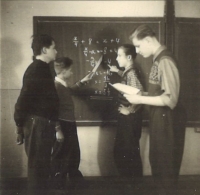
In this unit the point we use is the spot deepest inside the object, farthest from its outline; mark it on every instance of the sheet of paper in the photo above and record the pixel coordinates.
(125, 88)
(95, 67)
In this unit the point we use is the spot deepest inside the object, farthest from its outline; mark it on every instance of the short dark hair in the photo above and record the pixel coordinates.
(129, 49)
(62, 63)
(40, 41)
(141, 32)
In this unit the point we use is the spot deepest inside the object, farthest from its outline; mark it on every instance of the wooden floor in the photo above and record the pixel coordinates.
(188, 185)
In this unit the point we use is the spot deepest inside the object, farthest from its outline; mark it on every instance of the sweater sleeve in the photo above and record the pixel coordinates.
(132, 80)
(26, 97)
(75, 87)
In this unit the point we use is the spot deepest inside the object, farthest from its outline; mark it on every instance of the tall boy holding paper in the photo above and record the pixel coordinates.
(127, 149)
(167, 117)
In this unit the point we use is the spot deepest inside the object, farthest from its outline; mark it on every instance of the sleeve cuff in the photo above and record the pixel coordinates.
(120, 72)
(19, 130)
(79, 84)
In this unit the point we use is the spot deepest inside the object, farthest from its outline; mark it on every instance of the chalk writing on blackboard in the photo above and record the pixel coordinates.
(90, 41)
(72, 36)
(91, 49)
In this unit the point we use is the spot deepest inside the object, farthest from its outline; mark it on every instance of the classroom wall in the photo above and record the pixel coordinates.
(96, 142)
(187, 9)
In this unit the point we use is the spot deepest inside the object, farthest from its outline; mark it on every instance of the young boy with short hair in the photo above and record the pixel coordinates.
(127, 148)
(66, 155)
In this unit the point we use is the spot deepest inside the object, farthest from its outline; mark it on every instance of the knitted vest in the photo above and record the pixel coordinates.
(121, 98)
(154, 88)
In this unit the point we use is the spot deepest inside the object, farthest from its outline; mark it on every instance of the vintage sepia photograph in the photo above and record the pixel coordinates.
(100, 97)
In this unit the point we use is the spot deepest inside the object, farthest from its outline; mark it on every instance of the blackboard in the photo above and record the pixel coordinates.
(187, 50)
(85, 40)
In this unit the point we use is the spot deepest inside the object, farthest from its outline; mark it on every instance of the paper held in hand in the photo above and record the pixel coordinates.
(126, 89)
(97, 63)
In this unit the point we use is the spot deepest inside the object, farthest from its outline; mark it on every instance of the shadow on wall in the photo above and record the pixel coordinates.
(105, 151)
(11, 64)
(106, 154)
(12, 164)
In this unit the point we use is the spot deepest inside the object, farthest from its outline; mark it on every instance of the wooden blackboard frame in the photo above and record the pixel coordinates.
(142, 20)
(187, 45)
(158, 21)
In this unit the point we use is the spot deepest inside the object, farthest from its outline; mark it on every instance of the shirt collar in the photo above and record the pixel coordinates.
(158, 51)
(127, 69)
(61, 81)
(38, 59)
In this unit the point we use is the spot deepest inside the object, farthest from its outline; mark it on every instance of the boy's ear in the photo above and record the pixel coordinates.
(44, 50)
(148, 39)
(129, 57)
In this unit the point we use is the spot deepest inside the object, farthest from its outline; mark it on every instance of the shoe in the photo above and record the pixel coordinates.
(59, 181)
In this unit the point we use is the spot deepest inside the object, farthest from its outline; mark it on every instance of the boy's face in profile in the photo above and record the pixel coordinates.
(51, 52)
(143, 46)
(122, 59)
(66, 73)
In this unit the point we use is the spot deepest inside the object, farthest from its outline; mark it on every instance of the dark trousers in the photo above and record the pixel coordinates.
(167, 133)
(39, 135)
(66, 155)
(127, 148)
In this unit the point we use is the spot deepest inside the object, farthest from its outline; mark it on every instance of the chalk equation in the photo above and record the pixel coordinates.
(105, 50)
(90, 41)
(91, 49)
(100, 82)
(95, 44)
